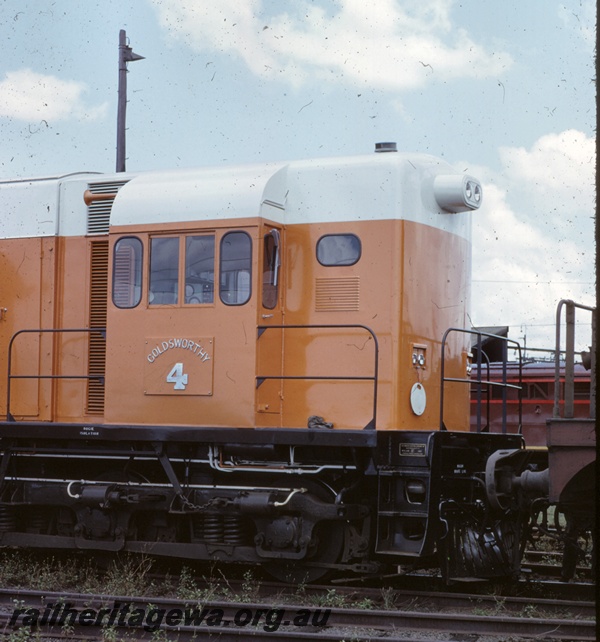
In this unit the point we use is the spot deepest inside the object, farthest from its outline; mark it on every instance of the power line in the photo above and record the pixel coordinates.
(536, 282)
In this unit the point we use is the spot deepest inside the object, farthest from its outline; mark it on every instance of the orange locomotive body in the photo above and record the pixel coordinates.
(245, 363)
(183, 276)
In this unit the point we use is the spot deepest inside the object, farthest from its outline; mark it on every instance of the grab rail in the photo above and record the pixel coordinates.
(259, 379)
(503, 384)
(10, 376)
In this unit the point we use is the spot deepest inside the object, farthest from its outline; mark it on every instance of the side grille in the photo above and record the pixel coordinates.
(337, 294)
(97, 341)
(100, 197)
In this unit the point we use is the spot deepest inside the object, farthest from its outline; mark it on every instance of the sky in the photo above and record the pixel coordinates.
(504, 90)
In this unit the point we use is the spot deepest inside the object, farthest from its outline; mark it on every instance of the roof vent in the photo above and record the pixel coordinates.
(385, 147)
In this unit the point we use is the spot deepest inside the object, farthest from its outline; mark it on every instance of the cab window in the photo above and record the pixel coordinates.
(182, 269)
(235, 266)
(338, 249)
(164, 271)
(199, 269)
(127, 272)
(271, 263)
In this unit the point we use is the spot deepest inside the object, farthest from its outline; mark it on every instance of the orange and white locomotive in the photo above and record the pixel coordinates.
(257, 364)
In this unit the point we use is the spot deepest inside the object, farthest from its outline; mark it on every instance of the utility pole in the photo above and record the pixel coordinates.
(125, 55)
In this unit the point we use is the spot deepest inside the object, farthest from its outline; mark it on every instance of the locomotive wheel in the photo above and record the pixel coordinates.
(328, 539)
(325, 547)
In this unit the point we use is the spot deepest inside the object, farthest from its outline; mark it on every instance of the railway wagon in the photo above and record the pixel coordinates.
(244, 363)
(571, 439)
(530, 403)
(553, 404)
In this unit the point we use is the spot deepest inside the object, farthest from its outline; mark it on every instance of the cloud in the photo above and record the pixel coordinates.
(388, 44)
(580, 20)
(556, 164)
(557, 176)
(27, 95)
(533, 238)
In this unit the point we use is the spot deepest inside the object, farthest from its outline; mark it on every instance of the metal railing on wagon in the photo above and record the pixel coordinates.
(569, 373)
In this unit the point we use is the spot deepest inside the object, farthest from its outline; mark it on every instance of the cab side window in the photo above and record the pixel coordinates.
(235, 268)
(338, 249)
(127, 272)
(271, 264)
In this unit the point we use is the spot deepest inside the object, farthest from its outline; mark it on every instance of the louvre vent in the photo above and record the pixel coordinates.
(337, 294)
(97, 341)
(98, 214)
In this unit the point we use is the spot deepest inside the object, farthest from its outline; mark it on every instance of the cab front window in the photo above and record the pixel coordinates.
(182, 270)
(164, 271)
(199, 269)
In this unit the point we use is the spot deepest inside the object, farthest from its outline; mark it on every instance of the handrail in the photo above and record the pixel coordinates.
(504, 385)
(569, 406)
(487, 391)
(259, 379)
(10, 376)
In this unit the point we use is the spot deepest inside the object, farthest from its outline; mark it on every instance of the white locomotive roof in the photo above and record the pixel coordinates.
(31, 207)
(372, 187)
(185, 195)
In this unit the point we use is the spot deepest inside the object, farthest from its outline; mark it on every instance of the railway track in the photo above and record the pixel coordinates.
(437, 616)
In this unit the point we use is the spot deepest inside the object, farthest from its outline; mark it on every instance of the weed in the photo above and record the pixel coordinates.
(389, 598)
(365, 604)
(250, 588)
(160, 635)
(129, 576)
(301, 590)
(188, 589)
(23, 634)
(26, 569)
(109, 634)
(67, 630)
(481, 611)
(329, 599)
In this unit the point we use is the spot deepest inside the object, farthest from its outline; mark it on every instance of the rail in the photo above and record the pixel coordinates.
(260, 378)
(569, 392)
(10, 376)
(503, 385)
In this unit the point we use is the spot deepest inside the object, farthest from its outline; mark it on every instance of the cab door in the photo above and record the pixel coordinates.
(182, 347)
(270, 334)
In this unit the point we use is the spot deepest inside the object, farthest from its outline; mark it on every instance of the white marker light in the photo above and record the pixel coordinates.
(457, 193)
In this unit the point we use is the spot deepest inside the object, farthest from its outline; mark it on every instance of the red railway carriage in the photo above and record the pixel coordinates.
(535, 398)
(245, 364)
